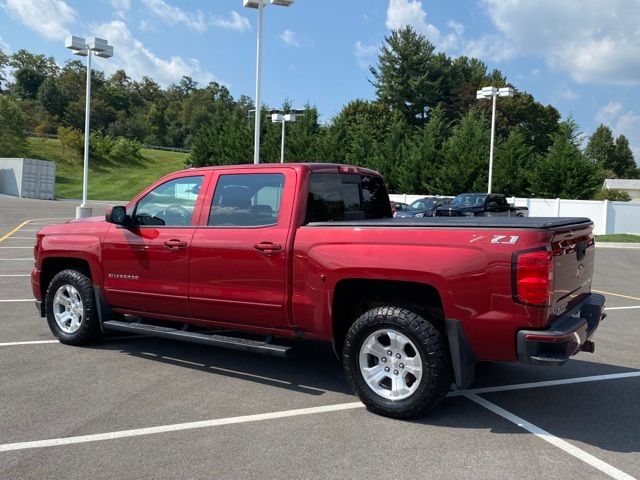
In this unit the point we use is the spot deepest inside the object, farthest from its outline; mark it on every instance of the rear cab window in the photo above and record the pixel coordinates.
(346, 196)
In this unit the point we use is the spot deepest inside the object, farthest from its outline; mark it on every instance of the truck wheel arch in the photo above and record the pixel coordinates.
(53, 265)
(353, 297)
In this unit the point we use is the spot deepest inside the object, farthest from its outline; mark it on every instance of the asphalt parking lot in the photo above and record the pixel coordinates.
(149, 408)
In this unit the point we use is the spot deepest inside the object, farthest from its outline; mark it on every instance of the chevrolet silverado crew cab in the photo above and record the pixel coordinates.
(253, 257)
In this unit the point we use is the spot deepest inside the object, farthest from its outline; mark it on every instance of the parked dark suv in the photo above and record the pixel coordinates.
(423, 207)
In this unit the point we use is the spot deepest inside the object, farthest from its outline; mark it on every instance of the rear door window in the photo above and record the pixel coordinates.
(247, 200)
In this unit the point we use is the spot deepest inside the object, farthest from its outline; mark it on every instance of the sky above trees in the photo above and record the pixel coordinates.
(581, 56)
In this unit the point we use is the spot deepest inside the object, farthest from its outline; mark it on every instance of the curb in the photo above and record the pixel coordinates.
(617, 245)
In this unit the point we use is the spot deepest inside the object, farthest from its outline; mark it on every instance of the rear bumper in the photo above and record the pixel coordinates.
(566, 336)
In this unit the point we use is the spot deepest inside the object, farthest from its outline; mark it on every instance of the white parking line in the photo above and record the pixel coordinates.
(553, 440)
(623, 308)
(548, 383)
(22, 238)
(177, 427)
(18, 300)
(30, 248)
(21, 275)
(32, 342)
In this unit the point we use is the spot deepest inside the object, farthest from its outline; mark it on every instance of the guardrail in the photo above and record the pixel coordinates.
(151, 147)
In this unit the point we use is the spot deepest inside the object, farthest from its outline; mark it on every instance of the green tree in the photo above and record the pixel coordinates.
(25, 59)
(389, 151)
(564, 172)
(50, 97)
(601, 148)
(226, 140)
(27, 82)
(466, 157)
(420, 165)
(12, 139)
(625, 164)
(409, 74)
(513, 159)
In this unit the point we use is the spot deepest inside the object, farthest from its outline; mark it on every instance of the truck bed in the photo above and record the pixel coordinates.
(536, 223)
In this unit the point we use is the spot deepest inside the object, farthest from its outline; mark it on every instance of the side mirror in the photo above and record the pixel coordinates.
(117, 215)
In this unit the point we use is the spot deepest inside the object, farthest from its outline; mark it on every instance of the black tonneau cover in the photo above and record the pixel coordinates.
(537, 223)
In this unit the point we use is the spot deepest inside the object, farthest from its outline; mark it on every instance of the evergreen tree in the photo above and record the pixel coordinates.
(513, 159)
(421, 162)
(601, 148)
(226, 140)
(625, 165)
(466, 158)
(564, 172)
(409, 74)
(389, 150)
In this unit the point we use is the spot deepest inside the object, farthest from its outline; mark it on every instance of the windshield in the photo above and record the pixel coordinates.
(423, 205)
(469, 200)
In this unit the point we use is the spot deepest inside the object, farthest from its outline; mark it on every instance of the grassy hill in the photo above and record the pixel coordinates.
(107, 180)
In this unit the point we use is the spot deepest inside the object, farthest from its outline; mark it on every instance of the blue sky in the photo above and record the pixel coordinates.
(582, 56)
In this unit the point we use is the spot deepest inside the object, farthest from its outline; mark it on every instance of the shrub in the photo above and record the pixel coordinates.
(612, 194)
(71, 139)
(100, 145)
(125, 149)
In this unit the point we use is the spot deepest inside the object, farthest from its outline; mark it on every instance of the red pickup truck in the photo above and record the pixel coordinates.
(276, 253)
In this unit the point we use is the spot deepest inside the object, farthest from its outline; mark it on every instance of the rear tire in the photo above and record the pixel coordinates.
(71, 308)
(397, 362)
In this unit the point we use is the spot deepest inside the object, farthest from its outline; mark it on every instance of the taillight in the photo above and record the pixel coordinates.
(533, 277)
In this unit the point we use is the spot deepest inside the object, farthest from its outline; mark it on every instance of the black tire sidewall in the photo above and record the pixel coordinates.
(417, 403)
(89, 328)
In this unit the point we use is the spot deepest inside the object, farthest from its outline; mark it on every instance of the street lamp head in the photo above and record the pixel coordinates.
(98, 44)
(256, 3)
(506, 92)
(290, 117)
(75, 43)
(276, 117)
(107, 53)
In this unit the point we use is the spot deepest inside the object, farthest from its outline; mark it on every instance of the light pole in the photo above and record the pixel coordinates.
(276, 117)
(259, 5)
(84, 49)
(493, 93)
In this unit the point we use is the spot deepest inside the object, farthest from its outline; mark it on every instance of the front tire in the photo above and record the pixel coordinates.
(397, 362)
(71, 308)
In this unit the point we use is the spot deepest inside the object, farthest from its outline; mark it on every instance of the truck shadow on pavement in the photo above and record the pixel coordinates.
(604, 414)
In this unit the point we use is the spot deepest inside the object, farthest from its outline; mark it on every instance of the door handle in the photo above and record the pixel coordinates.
(175, 244)
(267, 247)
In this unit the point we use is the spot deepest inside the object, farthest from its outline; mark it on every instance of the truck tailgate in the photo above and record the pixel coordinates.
(573, 255)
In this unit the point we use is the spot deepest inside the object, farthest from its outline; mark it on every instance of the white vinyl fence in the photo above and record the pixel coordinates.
(608, 217)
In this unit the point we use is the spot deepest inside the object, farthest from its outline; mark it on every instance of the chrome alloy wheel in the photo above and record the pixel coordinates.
(390, 364)
(68, 309)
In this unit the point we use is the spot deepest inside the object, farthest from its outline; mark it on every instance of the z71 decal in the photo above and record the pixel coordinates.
(512, 239)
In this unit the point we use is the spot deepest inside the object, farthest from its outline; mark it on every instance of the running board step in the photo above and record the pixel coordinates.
(204, 339)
